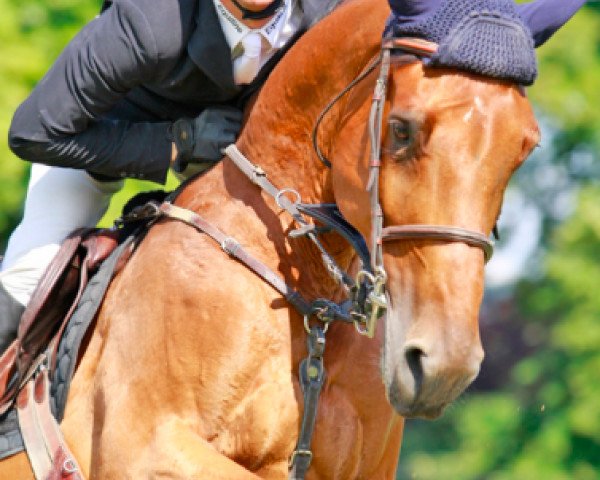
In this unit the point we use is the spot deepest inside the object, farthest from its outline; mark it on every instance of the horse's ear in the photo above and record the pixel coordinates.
(545, 17)
(414, 8)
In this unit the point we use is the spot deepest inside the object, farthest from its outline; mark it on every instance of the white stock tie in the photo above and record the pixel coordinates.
(247, 65)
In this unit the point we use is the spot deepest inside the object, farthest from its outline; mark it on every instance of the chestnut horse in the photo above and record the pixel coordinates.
(192, 369)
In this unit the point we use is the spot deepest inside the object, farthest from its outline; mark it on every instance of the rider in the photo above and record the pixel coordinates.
(145, 86)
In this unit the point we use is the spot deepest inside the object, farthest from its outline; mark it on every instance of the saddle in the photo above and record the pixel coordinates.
(59, 291)
(36, 370)
(51, 307)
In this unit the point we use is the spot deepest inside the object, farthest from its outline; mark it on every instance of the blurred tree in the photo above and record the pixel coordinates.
(567, 98)
(566, 88)
(545, 423)
(32, 34)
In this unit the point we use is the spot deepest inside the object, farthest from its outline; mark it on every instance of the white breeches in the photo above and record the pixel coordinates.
(59, 200)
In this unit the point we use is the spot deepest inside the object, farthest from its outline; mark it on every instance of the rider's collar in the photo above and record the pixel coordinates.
(234, 30)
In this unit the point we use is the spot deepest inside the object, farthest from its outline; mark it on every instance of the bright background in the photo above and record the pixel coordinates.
(534, 412)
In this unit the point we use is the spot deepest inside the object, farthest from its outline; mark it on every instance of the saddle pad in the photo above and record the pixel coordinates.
(11, 441)
(68, 349)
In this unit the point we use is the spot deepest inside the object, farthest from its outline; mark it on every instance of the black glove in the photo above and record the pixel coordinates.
(200, 140)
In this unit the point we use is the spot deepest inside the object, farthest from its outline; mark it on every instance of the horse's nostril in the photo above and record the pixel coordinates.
(413, 357)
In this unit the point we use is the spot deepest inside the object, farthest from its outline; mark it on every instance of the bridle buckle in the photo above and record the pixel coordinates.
(375, 304)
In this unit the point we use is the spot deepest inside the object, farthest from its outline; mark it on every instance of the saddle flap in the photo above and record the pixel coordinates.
(54, 293)
(81, 253)
(99, 246)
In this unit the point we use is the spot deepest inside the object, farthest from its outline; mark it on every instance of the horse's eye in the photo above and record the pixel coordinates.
(401, 138)
(401, 131)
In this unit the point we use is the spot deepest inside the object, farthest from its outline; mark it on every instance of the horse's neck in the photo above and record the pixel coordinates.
(323, 62)
(277, 137)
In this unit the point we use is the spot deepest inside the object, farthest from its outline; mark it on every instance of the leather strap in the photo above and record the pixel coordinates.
(441, 233)
(312, 378)
(83, 280)
(8, 380)
(49, 455)
(51, 276)
(413, 45)
(258, 176)
(234, 249)
(329, 215)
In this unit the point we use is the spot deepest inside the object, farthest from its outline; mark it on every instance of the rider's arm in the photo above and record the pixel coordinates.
(61, 122)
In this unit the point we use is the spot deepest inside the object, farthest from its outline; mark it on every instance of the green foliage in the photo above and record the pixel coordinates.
(546, 422)
(32, 35)
(567, 86)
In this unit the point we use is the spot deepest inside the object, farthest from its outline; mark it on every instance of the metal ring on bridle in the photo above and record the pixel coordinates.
(362, 274)
(378, 278)
(307, 324)
(358, 325)
(282, 192)
(69, 466)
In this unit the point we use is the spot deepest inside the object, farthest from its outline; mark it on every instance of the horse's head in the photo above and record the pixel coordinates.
(450, 141)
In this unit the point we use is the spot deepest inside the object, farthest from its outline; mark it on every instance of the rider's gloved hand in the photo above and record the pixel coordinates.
(200, 140)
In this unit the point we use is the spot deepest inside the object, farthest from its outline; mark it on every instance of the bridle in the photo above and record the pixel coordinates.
(379, 234)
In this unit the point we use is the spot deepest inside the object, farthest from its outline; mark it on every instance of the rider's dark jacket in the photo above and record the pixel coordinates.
(108, 101)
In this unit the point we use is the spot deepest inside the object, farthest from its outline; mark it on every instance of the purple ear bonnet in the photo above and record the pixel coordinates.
(486, 37)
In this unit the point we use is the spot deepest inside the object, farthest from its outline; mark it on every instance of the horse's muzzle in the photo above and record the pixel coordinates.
(423, 384)
(423, 373)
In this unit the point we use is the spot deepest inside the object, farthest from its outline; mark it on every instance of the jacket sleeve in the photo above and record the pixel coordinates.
(61, 122)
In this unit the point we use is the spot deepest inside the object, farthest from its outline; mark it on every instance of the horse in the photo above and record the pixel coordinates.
(191, 371)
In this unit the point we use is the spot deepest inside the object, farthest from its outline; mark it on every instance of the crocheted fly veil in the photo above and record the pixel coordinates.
(494, 38)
